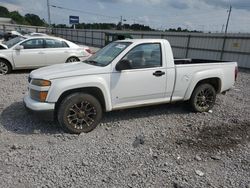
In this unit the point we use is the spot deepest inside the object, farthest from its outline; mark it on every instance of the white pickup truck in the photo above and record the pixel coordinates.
(125, 74)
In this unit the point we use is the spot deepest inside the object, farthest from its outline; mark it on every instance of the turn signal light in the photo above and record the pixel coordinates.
(43, 95)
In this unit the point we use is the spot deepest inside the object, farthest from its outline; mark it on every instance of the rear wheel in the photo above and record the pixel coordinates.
(79, 112)
(5, 67)
(72, 59)
(203, 98)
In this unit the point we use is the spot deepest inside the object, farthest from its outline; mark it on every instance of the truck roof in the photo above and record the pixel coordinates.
(142, 40)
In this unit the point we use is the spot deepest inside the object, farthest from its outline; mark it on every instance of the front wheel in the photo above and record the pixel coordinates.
(203, 98)
(5, 67)
(79, 113)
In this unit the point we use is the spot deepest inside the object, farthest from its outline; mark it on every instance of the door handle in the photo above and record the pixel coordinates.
(158, 73)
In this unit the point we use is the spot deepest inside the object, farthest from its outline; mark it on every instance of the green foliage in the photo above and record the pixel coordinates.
(33, 19)
(28, 19)
(18, 18)
(4, 12)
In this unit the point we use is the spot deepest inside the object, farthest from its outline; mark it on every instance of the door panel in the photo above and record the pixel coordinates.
(56, 51)
(31, 56)
(137, 85)
(145, 78)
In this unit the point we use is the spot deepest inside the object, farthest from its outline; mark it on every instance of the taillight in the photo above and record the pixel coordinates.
(236, 73)
(88, 50)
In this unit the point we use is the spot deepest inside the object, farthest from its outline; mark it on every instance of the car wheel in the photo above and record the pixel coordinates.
(5, 67)
(79, 113)
(72, 59)
(203, 98)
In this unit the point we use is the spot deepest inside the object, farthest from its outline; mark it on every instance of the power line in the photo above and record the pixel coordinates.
(84, 12)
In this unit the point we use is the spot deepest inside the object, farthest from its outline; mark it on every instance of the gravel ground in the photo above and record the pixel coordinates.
(158, 146)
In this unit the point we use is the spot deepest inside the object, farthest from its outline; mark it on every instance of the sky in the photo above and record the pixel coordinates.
(204, 15)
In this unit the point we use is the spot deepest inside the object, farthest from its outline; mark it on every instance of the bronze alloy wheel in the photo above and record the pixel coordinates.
(79, 112)
(203, 98)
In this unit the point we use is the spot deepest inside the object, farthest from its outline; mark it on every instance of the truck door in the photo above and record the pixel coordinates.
(145, 80)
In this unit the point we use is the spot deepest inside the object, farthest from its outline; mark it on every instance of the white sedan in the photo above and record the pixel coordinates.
(33, 52)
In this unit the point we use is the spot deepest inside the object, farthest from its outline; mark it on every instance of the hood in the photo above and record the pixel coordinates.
(67, 70)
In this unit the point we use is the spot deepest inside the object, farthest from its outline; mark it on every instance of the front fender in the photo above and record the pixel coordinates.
(59, 86)
(202, 75)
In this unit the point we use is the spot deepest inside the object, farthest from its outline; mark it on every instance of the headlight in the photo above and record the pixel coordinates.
(40, 82)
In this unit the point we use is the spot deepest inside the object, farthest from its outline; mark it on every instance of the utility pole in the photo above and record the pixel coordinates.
(228, 18)
(48, 6)
(222, 28)
(121, 21)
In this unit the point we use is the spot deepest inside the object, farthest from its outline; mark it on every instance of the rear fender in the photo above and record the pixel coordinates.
(202, 75)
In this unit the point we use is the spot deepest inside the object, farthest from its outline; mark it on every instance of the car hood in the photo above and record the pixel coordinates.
(67, 70)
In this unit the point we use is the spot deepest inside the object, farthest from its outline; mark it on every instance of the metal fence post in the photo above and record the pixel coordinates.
(92, 37)
(188, 43)
(223, 47)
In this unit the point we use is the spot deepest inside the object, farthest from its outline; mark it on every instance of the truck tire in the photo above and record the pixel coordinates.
(5, 67)
(79, 112)
(203, 98)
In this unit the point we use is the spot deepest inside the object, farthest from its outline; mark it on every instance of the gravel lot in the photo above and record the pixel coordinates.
(159, 146)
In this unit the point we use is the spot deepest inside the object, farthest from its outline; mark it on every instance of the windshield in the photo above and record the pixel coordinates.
(13, 41)
(107, 54)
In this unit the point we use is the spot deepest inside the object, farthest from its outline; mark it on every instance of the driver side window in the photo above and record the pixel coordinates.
(145, 56)
(33, 44)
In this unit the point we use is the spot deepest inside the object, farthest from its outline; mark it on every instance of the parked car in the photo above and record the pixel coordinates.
(35, 34)
(125, 74)
(11, 34)
(33, 52)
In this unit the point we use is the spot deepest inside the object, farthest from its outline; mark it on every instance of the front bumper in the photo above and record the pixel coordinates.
(42, 109)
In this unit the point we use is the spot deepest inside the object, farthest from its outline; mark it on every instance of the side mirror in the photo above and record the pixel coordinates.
(123, 65)
(19, 47)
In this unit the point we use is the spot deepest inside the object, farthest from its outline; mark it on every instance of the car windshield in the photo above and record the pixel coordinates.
(13, 41)
(107, 54)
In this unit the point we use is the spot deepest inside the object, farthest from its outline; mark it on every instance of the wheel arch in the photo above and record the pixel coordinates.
(72, 56)
(94, 91)
(9, 62)
(214, 81)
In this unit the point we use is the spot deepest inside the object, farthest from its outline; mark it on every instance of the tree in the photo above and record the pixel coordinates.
(33, 19)
(4, 12)
(17, 18)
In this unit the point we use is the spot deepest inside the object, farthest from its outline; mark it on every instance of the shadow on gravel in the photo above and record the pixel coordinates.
(221, 137)
(16, 119)
(149, 111)
(20, 71)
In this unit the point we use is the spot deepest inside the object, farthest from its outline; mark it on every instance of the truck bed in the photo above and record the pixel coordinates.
(195, 61)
